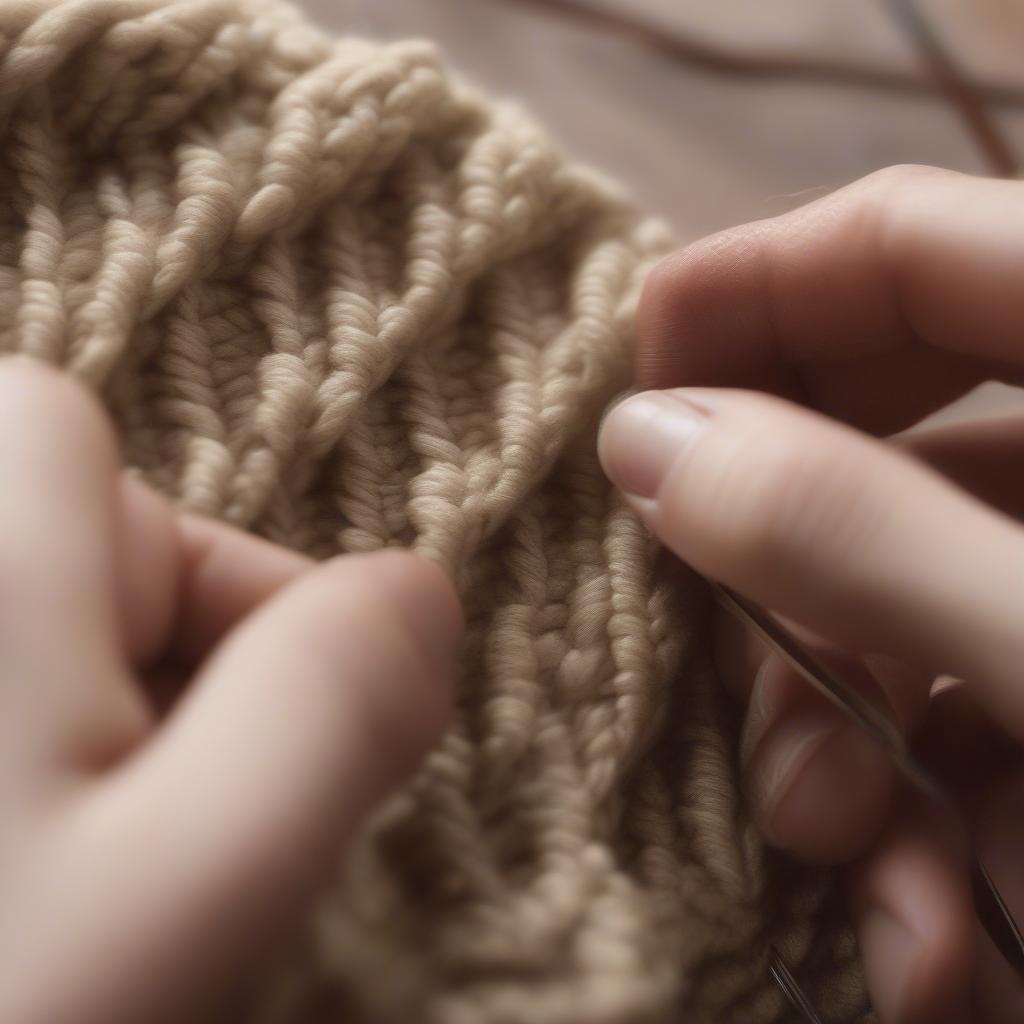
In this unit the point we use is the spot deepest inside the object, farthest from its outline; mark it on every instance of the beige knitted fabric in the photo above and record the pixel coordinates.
(335, 297)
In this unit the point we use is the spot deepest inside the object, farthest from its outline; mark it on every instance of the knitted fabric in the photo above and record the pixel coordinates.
(333, 296)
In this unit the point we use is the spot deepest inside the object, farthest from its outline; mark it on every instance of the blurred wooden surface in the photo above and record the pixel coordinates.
(711, 149)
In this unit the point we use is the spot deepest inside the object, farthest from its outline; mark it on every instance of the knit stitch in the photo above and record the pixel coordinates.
(332, 295)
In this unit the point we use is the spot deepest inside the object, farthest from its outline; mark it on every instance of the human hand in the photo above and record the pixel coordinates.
(147, 860)
(859, 315)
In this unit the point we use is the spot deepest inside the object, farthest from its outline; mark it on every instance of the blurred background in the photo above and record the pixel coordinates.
(716, 112)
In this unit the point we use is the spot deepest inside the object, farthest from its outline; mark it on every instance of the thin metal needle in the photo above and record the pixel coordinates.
(783, 977)
(871, 719)
(995, 917)
(990, 907)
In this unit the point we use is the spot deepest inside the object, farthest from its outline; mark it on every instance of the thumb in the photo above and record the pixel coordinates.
(833, 529)
(308, 714)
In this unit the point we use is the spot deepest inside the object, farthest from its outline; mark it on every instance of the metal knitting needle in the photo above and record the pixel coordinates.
(990, 907)
(783, 977)
(851, 702)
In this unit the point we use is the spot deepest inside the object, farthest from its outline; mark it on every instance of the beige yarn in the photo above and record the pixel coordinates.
(333, 296)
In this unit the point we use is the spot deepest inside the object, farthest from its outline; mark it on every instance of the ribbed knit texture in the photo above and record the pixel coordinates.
(333, 296)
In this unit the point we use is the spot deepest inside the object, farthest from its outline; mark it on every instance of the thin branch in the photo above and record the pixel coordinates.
(962, 94)
(699, 53)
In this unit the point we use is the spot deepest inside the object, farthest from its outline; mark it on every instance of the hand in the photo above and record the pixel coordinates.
(857, 316)
(148, 859)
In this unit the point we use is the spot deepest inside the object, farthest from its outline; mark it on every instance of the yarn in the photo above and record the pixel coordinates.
(332, 295)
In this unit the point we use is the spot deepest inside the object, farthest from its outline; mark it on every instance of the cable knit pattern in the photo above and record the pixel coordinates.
(333, 296)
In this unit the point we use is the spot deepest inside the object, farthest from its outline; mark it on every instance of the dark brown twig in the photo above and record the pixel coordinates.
(699, 53)
(959, 90)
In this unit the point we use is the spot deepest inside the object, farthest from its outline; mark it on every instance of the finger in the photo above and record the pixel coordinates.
(64, 686)
(912, 911)
(148, 570)
(841, 533)
(312, 709)
(185, 580)
(983, 456)
(999, 817)
(225, 575)
(899, 689)
(799, 753)
(977, 762)
(910, 271)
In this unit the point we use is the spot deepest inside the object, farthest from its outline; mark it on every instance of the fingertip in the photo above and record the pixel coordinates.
(914, 920)
(148, 569)
(825, 788)
(820, 787)
(224, 575)
(33, 393)
(909, 975)
(412, 616)
(428, 597)
(643, 437)
(425, 597)
(311, 711)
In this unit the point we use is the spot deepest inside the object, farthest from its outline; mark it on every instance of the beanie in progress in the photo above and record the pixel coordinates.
(330, 294)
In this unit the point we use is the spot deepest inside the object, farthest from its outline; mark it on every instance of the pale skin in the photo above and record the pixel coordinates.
(195, 721)
(782, 362)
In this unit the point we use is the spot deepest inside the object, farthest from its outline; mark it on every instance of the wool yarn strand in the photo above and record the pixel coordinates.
(332, 294)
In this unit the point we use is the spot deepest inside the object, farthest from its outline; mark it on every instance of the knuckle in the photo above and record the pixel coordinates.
(663, 278)
(890, 187)
(873, 198)
(682, 282)
(900, 176)
(663, 288)
(876, 200)
(394, 682)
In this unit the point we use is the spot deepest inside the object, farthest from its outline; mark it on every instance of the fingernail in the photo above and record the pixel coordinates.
(765, 705)
(891, 951)
(643, 436)
(820, 786)
(777, 755)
